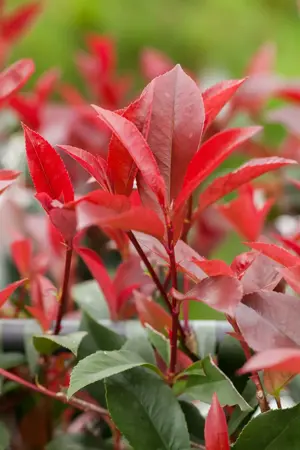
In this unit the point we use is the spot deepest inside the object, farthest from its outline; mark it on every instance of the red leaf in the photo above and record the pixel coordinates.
(265, 320)
(217, 96)
(175, 125)
(93, 164)
(22, 253)
(290, 243)
(216, 431)
(47, 170)
(13, 27)
(211, 291)
(292, 277)
(138, 148)
(249, 224)
(276, 253)
(14, 77)
(245, 173)
(154, 63)
(40, 316)
(46, 84)
(100, 274)
(214, 267)
(9, 290)
(115, 211)
(210, 155)
(263, 61)
(261, 273)
(104, 48)
(44, 301)
(7, 177)
(152, 313)
(283, 359)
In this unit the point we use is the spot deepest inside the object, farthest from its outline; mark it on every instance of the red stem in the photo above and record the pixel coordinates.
(260, 393)
(63, 304)
(175, 306)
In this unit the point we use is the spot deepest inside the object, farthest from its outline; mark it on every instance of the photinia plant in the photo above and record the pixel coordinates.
(156, 193)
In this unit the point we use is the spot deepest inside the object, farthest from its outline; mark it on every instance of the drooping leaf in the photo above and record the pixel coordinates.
(265, 321)
(211, 291)
(101, 365)
(156, 420)
(47, 344)
(47, 170)
(138, 148)
(215, 97)
(152, 313)
(276, 253)
(93, 164)
(100, 274)
(203, 379)
(216, 431)
(210, 155)
(7, 177)
(274, 430)
(222, 186)
(275, 359)
(275, 381)
(14, 77)
(9, 290)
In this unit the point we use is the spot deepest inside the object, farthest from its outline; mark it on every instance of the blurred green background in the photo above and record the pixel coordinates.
(220, 34)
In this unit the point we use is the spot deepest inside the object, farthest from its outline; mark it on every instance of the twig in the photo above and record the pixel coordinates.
(60, 396)
(63, 304)
(260, 393)
(199, 446)
(162, 291)
(278, 402)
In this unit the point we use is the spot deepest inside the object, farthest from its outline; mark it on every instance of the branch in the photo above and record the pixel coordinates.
(65, 290)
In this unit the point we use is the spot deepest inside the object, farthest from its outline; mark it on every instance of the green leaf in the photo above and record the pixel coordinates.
(239, 417)
(101, 365)
(146, 411)
(74, 442)
(274, 430)
(142, 347)
(4, 437)
(89, 298)
(47, 343)
(195, 422)
(160, 343)
(204, 379)
(11, 359)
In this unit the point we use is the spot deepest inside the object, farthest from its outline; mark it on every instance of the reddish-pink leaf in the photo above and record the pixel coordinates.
(104, 48)
(13, 26)
(249, 224)
(290, 243)
(22, 253)
(247, 172)
(174, 125)
(283, 359)
(93, 164)
(7, 177)
(100, 274)
(40, 316)
(46, 84)
(261, 273)
(14, 77)
(152, 313)
(138, 148)
(216, 431)
(9, 290)
(210, 155)
(47, 170)
(292, 277)
(217, 96)
(119, 214)
(263, 61)
(154, 63)
(211, 291)
(276, 253)
(64, 220)
(214, 267)
(265, 320)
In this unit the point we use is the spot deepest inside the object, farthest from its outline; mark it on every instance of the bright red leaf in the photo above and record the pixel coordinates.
(152, 313)
(251, 222)
(14, 25)
(245, 173)
(276, 359)
(47, 169)
(276, 253)
(14, 77)
(210, 155)
(216, 431)
(7, 177)
(9, 290)
(22, 254)
(214, 267)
